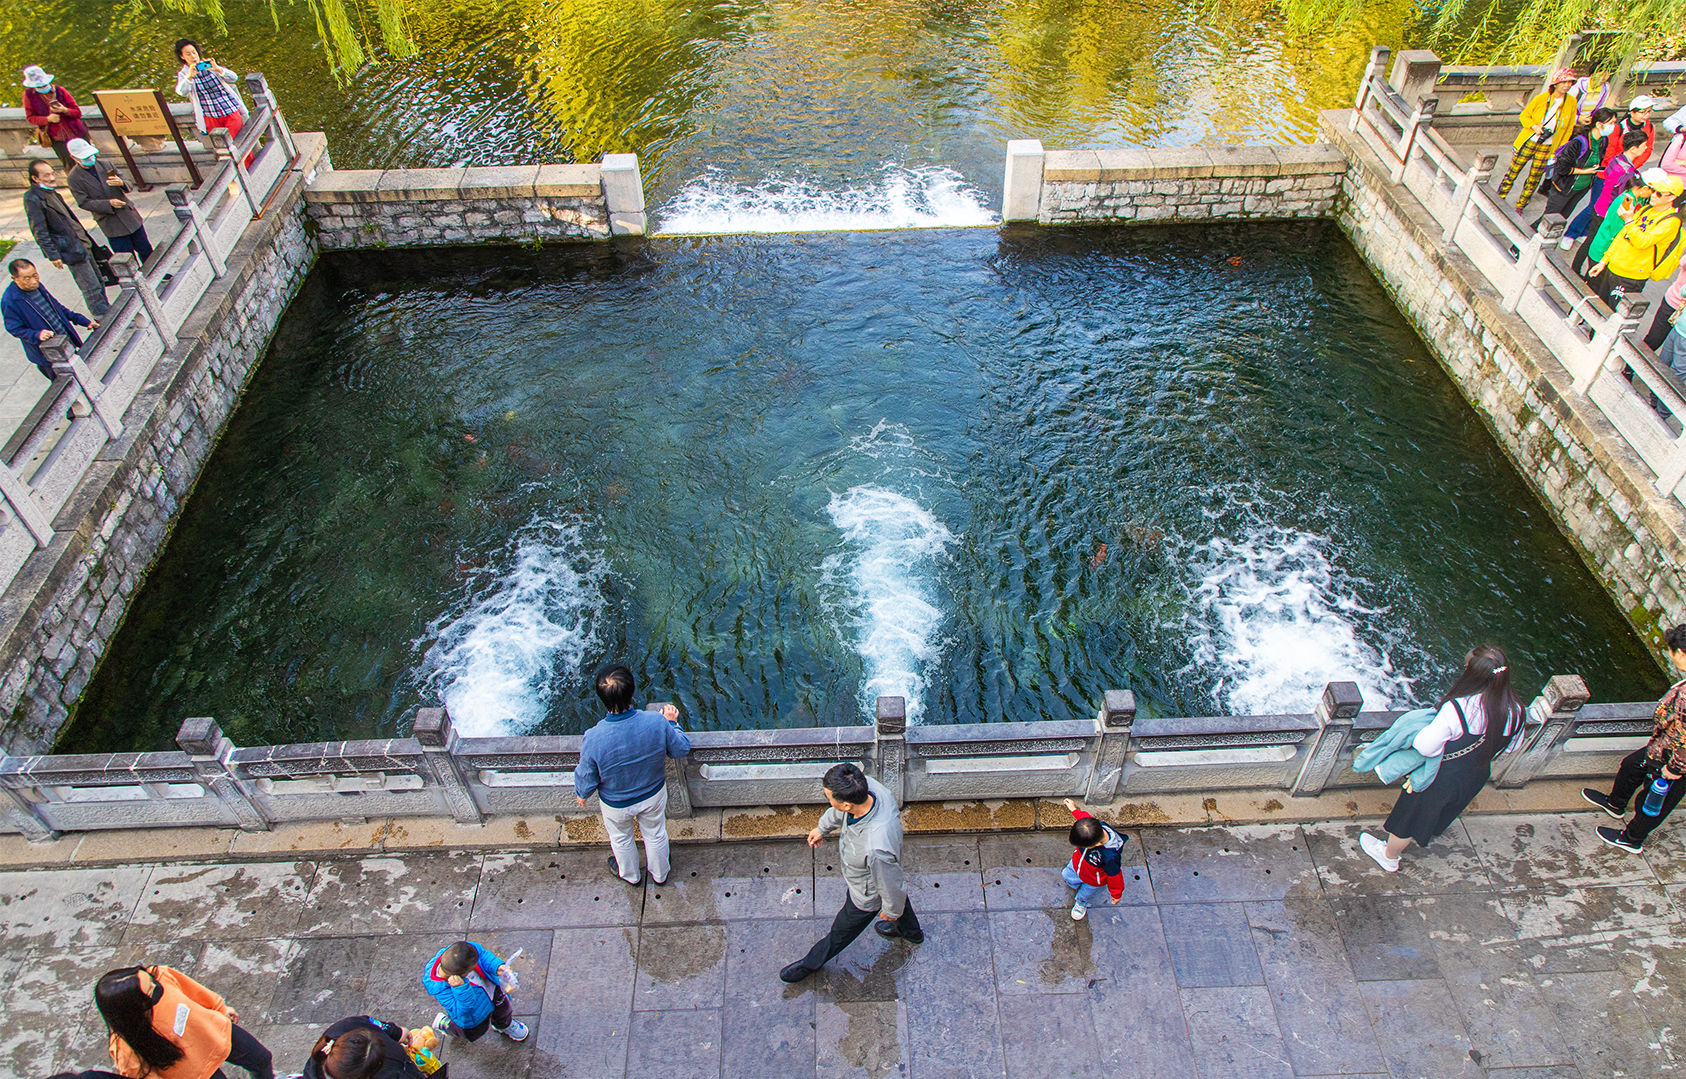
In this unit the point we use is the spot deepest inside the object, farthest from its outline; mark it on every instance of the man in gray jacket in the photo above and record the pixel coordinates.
(870, 850)
(61, 236)
(106, 196)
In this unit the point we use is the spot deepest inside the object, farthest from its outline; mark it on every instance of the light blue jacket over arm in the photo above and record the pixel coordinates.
(1390, 756)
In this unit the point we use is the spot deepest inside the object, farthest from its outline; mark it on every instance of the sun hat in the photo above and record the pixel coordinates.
(36, 78)
(80, 149)
(1643, 101)
(1563, 74)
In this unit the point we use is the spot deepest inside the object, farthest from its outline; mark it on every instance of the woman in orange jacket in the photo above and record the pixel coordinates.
(165, 1025)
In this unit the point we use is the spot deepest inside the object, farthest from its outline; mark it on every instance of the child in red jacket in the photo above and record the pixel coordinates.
(1097, 864)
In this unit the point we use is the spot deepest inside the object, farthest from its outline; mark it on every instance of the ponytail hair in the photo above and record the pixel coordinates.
(127, 1011)
(356, 1055)
(1487, 672)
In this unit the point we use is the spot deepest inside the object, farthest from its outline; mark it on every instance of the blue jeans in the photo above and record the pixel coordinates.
(1087, 894)
(1578, 227)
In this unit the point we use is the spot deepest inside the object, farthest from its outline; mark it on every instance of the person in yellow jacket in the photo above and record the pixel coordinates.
(1547, 123)
(165, 1025)
(1649, 246)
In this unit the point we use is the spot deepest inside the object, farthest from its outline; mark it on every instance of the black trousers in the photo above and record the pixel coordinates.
(1584, 248)
(1659, 327)
(247, 1052)
(1605, 285)
(1635, 775)
(848, 924)
(1561, 203)
(503, 1014)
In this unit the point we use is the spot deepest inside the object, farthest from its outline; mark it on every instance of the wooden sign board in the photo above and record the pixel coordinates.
(134, 113)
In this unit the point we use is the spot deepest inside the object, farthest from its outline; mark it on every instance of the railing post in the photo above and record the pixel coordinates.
(20, 812)
(1375, 69)
(26, 505)
(1021, 191)
(1112, 733)
(1630, 309)
(202, 740)
(1415, 73)
(181, 199)
(1461, 199)
(1552, 715)
(438, 739)
(221, 142)
(1529, 259)
(66, 361)
(1420, 118)
(258, 87)
(678, 777)
(128, 270)
(889, 754)
(623, 195)
(1335, 712)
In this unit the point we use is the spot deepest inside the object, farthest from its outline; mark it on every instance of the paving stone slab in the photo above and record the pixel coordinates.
(1577, 915)
(871, 968)
(1050, 1034)
(1421, 1032)
(63, 908)
(861, 1039)
(676, 1045)
(1138, 992)
(953, 1025)
(553, 890)
(942, 874)
(679, 967)
(1394, 937)
(1556, 850)
(1610, 1030)
(1210, 945)
(221, 902)
(1205, 865)
(1042, 952)
(738, 880)
(1022, 872)
(245, 972)
(585, 1029)
(1508, 1012)
(327, 980)
(1450, 864)
(1312, 988)
(767, 1027)
(47, 1002)
(1235, 1033)
(415, 893)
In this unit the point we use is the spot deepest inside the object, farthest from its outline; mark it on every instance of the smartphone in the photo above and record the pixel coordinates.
(203, 65)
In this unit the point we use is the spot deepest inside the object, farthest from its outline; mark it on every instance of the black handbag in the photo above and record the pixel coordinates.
(102, 262)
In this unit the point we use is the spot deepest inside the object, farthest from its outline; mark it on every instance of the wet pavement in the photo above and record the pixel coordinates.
(1519, 948)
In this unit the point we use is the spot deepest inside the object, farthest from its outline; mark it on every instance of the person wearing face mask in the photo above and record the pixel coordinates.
(1575, 165)
(1638, 118)
(106, 196)
(53, 110)
(62, 237)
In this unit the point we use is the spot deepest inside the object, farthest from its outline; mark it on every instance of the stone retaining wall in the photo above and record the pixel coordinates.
(423, 207)
(58, 615)
(1597, 490)
(1200, 184)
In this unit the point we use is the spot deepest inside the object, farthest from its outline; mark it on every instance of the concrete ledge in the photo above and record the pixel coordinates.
(1246, 161)
(1308, 159)
(499, 182)
(1126, 164)
(419, 184)
(1077, 165)
(568, 181)
(344, 185)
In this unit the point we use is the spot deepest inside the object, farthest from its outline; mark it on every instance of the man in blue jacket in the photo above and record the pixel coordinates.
(623, 760)
(32, 315)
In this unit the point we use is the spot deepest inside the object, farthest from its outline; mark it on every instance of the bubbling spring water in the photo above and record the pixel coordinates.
(1273, 620)
(904, 198)
(883, 583)
(496, 657)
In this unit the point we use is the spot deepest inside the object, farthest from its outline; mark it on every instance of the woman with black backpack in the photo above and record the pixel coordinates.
(1479, 717)
(1575, 166)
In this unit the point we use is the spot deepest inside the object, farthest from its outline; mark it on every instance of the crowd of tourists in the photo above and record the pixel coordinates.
(164, 1025)
(31, 313)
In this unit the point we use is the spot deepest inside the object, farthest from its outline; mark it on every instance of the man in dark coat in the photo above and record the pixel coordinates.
(106, 196)
(32, 315)
(62, 237)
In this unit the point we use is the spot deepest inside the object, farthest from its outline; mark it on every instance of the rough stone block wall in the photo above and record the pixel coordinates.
(68, 601)
(1202, 184)
(1597, 489)
(351, 209)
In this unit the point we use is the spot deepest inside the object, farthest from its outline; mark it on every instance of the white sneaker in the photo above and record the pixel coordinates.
(442, 1025)
(1377, 850)
(516, 1031)
(1079, 912)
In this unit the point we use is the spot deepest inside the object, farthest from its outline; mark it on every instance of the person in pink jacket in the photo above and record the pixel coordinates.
(1672, 300)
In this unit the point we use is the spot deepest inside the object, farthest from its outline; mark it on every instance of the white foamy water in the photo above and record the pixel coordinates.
(925, 197)
(532, 614)
(885, 579)
(1276, 622)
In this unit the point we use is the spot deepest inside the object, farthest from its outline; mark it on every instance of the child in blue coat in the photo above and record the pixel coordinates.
(468, 982)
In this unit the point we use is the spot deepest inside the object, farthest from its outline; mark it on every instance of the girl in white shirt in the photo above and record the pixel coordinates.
(1466, 742)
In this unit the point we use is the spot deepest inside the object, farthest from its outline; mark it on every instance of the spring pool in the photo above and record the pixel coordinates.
(996, 471)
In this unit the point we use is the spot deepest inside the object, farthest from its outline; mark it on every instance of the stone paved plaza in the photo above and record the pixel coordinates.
(1521, 948)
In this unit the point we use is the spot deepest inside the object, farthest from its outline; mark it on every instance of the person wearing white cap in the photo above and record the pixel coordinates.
(106, 196)
(1638, 118)
(53, 110)
(1648, 248)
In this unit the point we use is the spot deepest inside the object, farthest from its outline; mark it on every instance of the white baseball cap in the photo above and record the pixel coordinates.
(1643, 101)
(36, 78)
(80, 149)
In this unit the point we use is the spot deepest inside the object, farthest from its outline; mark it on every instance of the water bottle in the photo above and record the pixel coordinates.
(1654, 797)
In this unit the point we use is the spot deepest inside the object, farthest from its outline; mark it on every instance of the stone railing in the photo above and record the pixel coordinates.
(83, 410)
(209, 781)
(375, 208)
(1643, 400)
(159, 160)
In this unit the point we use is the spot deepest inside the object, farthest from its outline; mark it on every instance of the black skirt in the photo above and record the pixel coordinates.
(1423, 815)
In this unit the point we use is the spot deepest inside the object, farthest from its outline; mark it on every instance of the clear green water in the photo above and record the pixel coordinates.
(718, 94)
(997, 471)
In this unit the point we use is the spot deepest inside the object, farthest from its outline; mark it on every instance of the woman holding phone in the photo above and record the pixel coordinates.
(212, 88)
